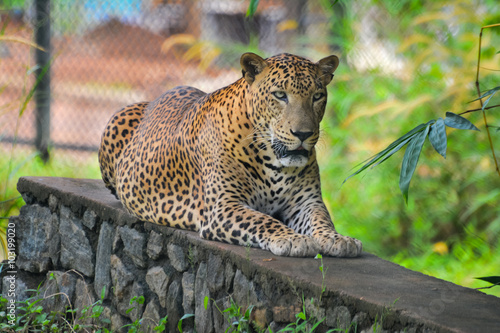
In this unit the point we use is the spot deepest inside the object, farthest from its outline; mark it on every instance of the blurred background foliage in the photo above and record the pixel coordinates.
(402, 63)
(451, 227)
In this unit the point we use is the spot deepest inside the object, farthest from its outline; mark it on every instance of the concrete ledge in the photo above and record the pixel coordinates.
(111, 242)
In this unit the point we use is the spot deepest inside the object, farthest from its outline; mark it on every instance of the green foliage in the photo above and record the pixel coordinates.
(205, 302)
(12, 4)
(21, 161)
(437, 137)
(238, 321)
(415, 139)
(473, 252)
(32, 317)
(455, 121)
(136, 325)
(303, 323)
(454, 201)
(323, 270)
(9, 203)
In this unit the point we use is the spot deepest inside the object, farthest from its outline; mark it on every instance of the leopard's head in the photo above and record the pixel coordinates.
(287, 102)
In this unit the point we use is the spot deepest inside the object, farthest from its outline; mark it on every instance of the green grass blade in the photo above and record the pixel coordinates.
(410, 161)
(252, 8)
(456, 121)
(31, 93)
(437, 137)
(317, 324)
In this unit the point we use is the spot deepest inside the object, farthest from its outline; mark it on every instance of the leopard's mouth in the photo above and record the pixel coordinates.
(281, 151)
(301, 151)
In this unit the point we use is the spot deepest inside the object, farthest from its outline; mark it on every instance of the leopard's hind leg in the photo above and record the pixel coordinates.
(116, 136)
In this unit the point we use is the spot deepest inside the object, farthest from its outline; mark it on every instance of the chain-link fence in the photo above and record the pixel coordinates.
(107, 54)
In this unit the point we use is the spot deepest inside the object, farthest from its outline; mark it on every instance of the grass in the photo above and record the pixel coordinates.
(30, 315)
(462, 264)
(24, 161)
(21, 161)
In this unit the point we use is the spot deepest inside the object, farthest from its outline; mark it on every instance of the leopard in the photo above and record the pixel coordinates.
(237, 165)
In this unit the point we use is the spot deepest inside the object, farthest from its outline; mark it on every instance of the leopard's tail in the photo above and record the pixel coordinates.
(116, 137)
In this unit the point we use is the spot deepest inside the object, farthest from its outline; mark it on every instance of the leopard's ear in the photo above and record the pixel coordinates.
(251, 65)
(326, 67)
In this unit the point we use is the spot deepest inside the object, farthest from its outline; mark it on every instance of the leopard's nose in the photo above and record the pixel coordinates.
(302, 136)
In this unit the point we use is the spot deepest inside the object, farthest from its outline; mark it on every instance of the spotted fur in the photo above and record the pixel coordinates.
(237, 165)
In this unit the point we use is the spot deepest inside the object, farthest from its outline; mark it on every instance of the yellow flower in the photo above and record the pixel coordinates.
(440, 247)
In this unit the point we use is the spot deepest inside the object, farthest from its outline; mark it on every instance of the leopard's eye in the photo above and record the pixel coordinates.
(281, 95)
(318, 96)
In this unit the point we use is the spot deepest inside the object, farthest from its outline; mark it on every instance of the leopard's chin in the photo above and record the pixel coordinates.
(294, 161)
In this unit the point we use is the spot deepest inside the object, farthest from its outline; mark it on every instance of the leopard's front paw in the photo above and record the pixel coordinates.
(337, 245)
(294, 246)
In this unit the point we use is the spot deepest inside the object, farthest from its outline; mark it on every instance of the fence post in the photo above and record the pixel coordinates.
(42, 92)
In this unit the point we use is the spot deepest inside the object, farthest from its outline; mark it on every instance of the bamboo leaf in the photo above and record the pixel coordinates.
(456, 121)
(410, 160)
(487, 93)
(437, 137)
(390, 150)
(490, 279)
(491, 96)
(393, 151)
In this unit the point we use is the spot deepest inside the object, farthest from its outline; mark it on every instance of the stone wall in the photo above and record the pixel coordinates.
(75, 239)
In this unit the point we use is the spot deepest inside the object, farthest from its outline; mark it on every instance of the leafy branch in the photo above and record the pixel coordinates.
(479, 109)
(434, 129)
